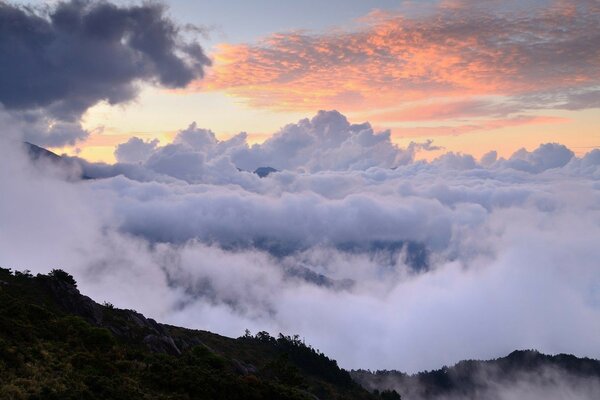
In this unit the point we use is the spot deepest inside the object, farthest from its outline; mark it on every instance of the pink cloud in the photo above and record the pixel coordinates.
(486, 125)
(456, 52)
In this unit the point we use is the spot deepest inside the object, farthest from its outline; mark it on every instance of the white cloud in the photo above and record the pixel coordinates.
(327, 142)
(135, 150)
(421, 265)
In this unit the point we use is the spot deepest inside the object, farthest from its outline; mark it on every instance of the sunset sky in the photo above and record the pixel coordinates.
(471, 76)
(433, 190)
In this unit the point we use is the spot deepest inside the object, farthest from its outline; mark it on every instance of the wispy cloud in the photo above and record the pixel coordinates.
(479, 125)
(457, 56)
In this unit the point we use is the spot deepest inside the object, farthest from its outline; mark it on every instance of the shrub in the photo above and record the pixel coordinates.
(63, 276)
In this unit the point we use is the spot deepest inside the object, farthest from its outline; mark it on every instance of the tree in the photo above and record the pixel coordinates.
(63, 276)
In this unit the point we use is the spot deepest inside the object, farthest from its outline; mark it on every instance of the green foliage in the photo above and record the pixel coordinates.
(48, 353)
(63, 276)
(388, 395)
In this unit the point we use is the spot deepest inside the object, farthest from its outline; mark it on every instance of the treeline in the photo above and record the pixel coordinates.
(58, 344)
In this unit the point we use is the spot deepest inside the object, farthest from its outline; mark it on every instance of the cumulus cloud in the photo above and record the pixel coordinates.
(547, 156)
(379, 263)
(326, 142)
(60, 60)
(135, 150)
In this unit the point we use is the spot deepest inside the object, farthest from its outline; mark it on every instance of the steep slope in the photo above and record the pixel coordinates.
(58, 344)
(36, 153)
(44, 157)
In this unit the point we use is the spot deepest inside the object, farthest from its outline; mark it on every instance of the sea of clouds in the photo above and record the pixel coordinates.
(376, 259)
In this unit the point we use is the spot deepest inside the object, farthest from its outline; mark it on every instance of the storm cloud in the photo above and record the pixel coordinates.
(58, 61)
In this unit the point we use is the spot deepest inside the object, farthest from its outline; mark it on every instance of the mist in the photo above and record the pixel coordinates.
(378, 260)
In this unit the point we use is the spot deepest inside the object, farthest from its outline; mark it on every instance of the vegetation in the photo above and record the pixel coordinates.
(57, 344)
(472, 379)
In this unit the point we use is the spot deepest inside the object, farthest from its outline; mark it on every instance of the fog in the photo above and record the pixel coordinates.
(378, 260)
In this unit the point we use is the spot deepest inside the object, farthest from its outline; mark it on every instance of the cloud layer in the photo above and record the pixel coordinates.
(378, 260)
(472, 60)
(326, 142)
(380, 264)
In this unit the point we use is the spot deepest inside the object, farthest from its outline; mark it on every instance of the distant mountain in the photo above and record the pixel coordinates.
(263, 172)
(36, 153)
(39, 154)
(522, 375)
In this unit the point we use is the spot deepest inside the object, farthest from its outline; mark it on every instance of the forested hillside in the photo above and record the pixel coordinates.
(58, 344)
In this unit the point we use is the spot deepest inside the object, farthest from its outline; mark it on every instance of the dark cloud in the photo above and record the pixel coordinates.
(37, 127)
(65, 58)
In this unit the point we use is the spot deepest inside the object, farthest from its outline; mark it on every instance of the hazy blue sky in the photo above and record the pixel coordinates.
(241, 21)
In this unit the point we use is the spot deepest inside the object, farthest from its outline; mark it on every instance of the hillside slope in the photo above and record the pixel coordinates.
(58, 344)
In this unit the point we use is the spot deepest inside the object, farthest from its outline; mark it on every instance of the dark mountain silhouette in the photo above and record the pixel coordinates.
(531, 370)
(264, 171)
(56, 343)
(36, 153)
(40, 155)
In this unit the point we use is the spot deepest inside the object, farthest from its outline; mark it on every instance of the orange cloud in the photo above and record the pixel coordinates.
(436, 111)
(479, 126)
(395, 60)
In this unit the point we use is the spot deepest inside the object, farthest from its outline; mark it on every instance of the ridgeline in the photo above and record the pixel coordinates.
(56, 343)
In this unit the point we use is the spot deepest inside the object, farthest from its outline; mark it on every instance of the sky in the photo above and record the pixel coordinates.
(471, 76)
(437, 178)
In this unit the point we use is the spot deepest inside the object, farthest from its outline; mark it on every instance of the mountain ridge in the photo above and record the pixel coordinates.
(482, 378)
(77, 348)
